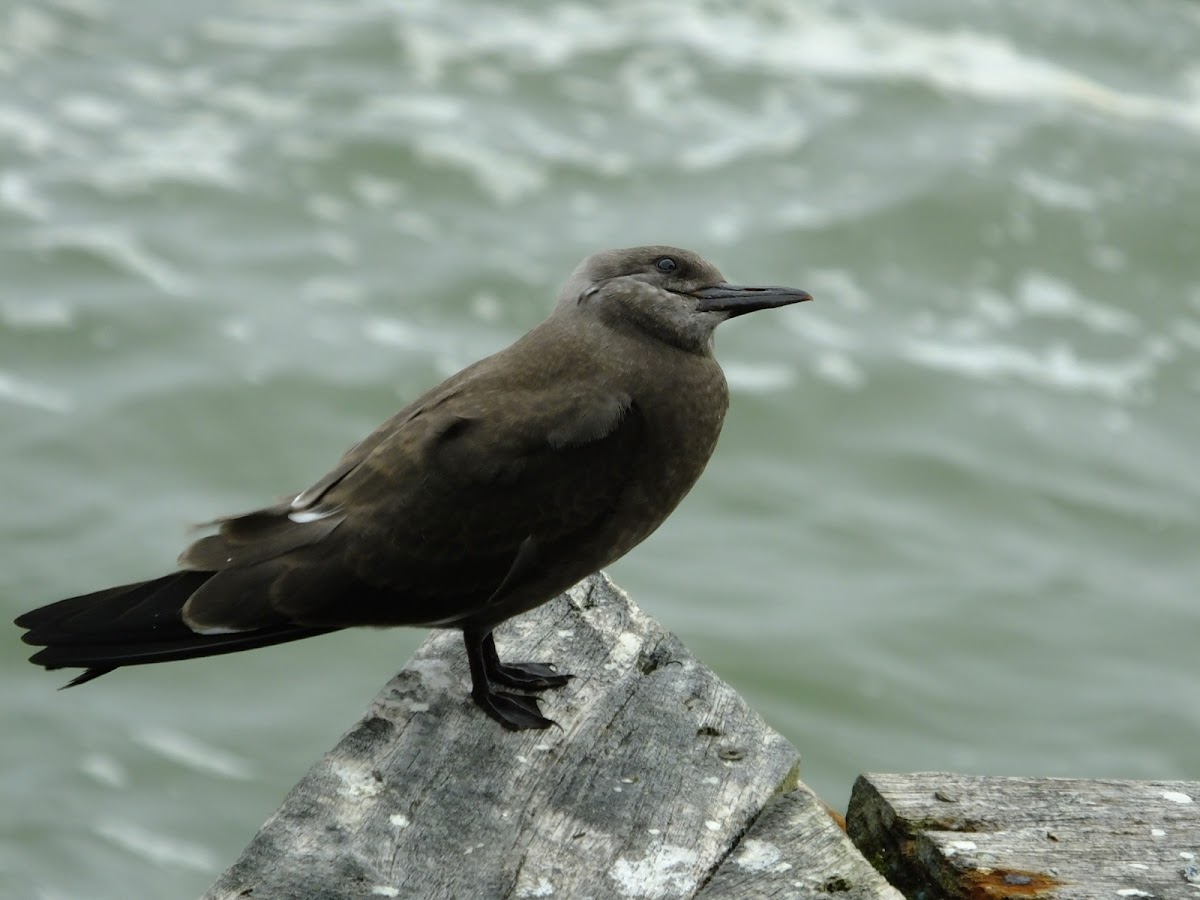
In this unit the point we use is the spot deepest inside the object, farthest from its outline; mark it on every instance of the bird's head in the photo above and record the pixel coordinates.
(666, 293)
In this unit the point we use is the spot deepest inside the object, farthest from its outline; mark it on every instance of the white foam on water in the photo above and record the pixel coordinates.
(194, 754)
(198, 150)
(392, 332)
(961, 61)
(758, 378)
(258, 105)
(742, 141)
(504, 176)
(243, 331)
(377, 193)
(337, 245)
(37, 314)
(326, 207)
(29, 32)
(118, 248)
(91, 111)
(1056, 193)
(158, 848)
(842, 287)
(416, 224)
(164, 86)
(546, 38)
(18, 194)
(26, 393)
(991, 309)
(820, 331)
(839, 369)
(1058, 367)
(331, 289)
(487, 307)
(92, 10)
(104, 769)
(794, 40)
(309, 26)
(426, 109)
(1041, 294)
(30, 133)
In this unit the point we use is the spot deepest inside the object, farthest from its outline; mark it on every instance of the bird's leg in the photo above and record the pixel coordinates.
(513, 711)
(524, 676)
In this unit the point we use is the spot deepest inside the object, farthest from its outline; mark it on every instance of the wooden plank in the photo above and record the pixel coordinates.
(961, 836)
(795, 851)
(657, 769)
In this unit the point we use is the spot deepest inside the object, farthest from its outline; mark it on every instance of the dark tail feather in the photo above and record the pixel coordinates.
(135, 624)
(87, 675)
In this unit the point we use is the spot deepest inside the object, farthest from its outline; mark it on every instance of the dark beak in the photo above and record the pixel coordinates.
(737, 299)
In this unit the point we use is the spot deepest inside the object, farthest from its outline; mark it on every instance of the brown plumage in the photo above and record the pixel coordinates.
(485, 497)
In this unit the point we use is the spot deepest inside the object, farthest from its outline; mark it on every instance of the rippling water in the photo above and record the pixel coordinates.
(953, 520)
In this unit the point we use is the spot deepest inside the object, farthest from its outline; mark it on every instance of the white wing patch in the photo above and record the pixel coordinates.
(217, 629)
(304, 516)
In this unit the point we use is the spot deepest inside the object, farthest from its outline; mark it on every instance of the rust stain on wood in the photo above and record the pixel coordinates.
(838, 819)
(1001, 884)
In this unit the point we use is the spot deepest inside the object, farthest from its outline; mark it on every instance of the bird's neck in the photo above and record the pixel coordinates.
(688, 336)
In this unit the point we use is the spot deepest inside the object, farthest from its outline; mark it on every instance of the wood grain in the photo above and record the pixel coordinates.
(657, 770)
(963, 836)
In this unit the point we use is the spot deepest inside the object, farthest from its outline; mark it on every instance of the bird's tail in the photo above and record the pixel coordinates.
(135, 624)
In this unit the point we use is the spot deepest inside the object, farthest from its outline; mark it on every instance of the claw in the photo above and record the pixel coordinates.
(514, 712)
(528, 676)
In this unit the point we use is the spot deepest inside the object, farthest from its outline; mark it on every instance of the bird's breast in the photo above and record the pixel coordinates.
(682, 430)
(683, 413)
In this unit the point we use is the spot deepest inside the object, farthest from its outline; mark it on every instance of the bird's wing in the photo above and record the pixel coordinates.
(427, 520)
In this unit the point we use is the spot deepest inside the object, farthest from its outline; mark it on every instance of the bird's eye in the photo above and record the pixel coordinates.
(666, 264)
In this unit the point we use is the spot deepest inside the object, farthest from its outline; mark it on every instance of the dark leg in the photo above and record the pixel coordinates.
(523, 676)
(513, 711)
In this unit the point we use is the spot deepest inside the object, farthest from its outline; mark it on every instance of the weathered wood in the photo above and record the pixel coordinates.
(937, 836)
(795, 851)
(658, 768)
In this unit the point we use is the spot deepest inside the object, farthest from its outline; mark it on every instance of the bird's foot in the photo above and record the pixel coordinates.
(513, 711)
(528, 676)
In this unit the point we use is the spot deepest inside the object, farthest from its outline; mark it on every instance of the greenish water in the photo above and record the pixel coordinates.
(952, 523)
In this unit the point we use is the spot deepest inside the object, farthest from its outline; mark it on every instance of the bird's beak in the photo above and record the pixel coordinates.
(737, 299)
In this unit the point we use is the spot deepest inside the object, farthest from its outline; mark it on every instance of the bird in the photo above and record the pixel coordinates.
(487, 496)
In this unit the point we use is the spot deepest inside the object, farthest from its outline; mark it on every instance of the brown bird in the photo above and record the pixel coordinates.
(487, 496)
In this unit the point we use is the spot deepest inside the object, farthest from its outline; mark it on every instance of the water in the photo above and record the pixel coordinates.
(952, 523)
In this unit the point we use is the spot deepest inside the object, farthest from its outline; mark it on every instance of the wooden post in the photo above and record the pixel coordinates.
(663, 783)
(657, 771)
